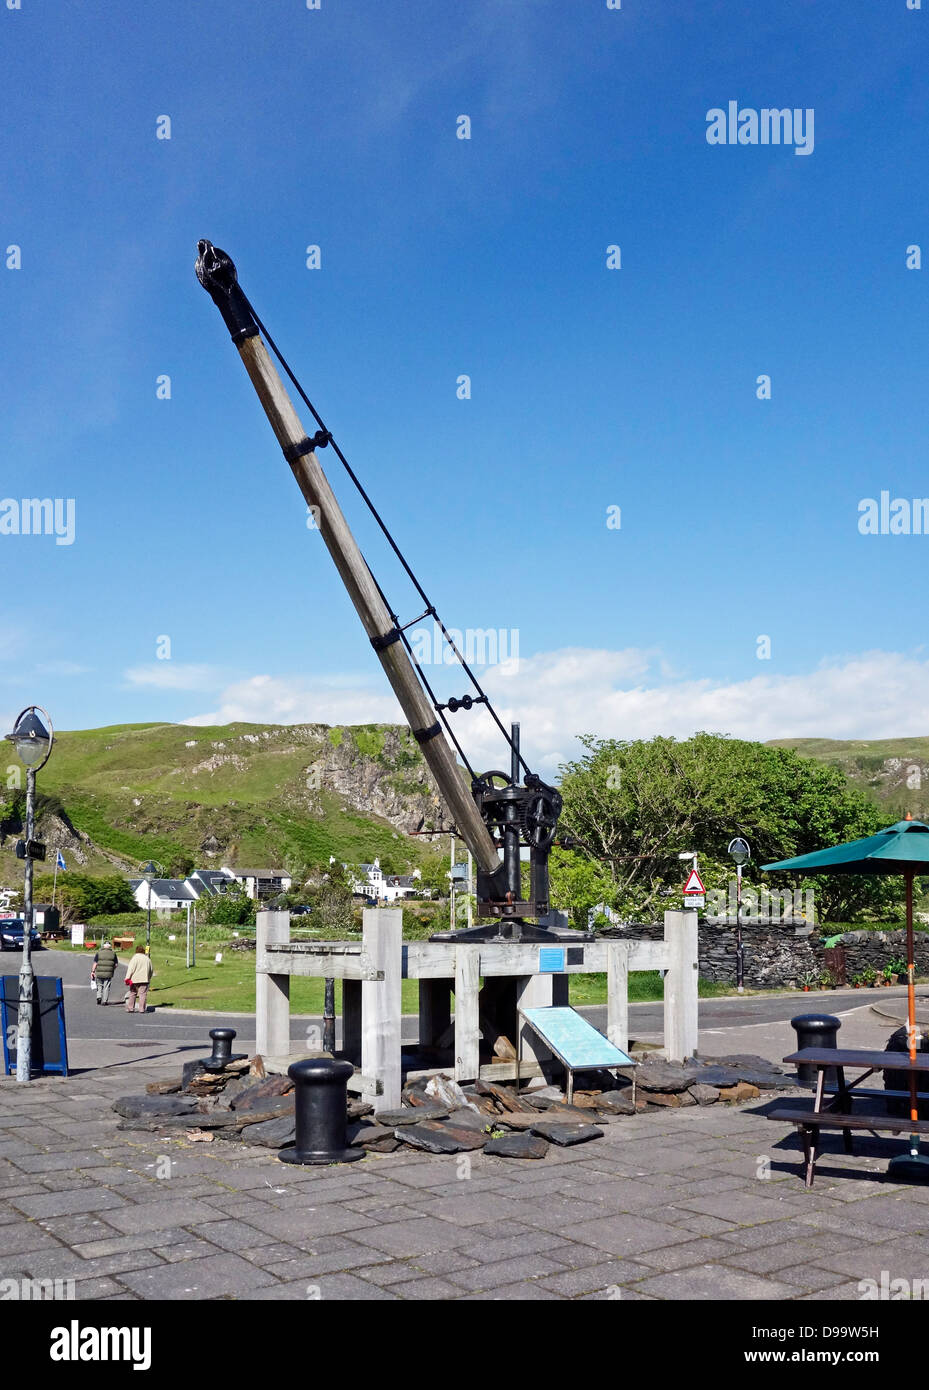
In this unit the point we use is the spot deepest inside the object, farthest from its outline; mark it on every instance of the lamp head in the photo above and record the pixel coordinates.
(31, 738)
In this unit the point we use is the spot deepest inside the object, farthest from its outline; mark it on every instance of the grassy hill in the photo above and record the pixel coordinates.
(250, 794)
(895, 771)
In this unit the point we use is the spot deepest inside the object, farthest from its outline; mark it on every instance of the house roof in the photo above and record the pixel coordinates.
(168, 888)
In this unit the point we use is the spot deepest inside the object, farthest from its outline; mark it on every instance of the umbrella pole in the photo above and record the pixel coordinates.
(914, 1164)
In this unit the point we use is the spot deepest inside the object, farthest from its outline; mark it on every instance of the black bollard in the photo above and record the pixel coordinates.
(222, 1049)
(319, 1109)
(815, 1030)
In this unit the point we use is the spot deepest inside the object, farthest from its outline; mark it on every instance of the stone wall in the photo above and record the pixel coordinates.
(777, 957)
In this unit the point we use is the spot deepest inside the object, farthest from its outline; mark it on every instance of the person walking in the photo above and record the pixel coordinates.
(105, 963)
(139, 973)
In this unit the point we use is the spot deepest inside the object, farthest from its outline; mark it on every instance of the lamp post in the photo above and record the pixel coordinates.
(33, 744)
(149, 873)
(739, 851)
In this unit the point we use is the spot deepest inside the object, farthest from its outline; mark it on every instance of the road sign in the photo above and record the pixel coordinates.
(694, 883)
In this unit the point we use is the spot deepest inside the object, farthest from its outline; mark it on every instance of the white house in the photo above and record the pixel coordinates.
(381, 887)
(260, 883)
(167, 894)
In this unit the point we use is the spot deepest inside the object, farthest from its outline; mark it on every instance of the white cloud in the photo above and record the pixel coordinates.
(303, 700)
(621, 694)
(173, 675)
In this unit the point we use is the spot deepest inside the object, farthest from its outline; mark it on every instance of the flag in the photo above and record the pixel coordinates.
(60, 862)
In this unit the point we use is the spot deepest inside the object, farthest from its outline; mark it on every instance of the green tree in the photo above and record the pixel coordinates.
(232, 908)
(631, 807)
(331, 901)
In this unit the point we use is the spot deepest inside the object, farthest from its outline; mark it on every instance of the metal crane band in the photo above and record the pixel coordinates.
(381, 643)
(292, 452)
(424, 735)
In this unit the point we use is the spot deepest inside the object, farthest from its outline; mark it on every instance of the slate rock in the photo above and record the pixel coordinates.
(767, 1080)
(444, 1091)
(746, 1059)
(433, 1138)
(717, 1076)
(685, 1098)
(616, 1102)
(704, 1094)
(150, 1107)
(413, 1115)
(517, 1146)
(666, 1099)
(562, 1114)
(377, 1137)
(279, 1133)
(272, 1109)
(666, 1076)
(256, 1095)
(566, 1134)
(189, 1071)
(741, 1091)
(163, 1088)
(466, 1118)
(543, 1097)
(356, 1109)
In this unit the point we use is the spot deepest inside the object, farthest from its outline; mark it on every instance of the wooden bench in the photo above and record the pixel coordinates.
(839, 1113)
(810, 1122)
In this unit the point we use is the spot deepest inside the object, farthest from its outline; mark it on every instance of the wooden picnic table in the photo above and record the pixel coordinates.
(838, 1113)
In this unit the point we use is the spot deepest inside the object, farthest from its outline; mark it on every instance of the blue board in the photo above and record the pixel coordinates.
(551, 960)
(49, 1034)
(575, 1041)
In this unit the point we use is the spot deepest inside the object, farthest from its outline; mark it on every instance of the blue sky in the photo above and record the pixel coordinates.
(591, 388)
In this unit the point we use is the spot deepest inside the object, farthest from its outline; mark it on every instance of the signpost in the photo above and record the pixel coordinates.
(694, 891)
(739, 851)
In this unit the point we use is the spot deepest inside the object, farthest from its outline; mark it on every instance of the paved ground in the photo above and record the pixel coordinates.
(693, 1204)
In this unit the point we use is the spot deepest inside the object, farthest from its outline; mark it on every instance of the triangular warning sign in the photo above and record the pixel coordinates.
(694, 884)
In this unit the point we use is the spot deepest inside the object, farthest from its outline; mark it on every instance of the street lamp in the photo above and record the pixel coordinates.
(33, 744)
(739, 851)
(149, 874)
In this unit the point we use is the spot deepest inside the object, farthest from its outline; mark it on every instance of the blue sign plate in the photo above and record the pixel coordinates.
(551, 960)
(574, 1040)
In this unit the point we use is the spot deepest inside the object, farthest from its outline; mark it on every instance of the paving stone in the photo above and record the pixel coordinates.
(422, 1236)
(596, 1278)
(19, 1236)
(692, 1252)
(161, 1215)
(713, 1283)
(211, 1277)
(528, 1292)
(230, 1235)
(627, 1235)
(66, 1202)
(503, 1272)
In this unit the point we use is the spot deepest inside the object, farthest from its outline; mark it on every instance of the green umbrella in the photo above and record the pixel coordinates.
(900, 849)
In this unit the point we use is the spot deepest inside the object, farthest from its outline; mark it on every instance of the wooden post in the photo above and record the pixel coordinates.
(272, 992)
(467, 1026)
(381, 1004)
(351, 1020)
(617, 994)
(435, 1010)
(680, 986)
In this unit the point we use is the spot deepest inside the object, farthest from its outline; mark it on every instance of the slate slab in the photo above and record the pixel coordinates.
(148, 1107)
(257, 1095)
(666, 1076)
(279, 1133)
(413, 1115)
(616, 1102)
(566, 1135)
(518, 1146)
(704, 1094)
(716, 1076)
(434, 1138)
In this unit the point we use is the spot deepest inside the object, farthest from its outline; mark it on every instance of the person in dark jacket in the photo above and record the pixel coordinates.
(105, 963)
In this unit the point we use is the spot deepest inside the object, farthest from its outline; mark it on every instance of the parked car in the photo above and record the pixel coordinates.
(11, 935)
